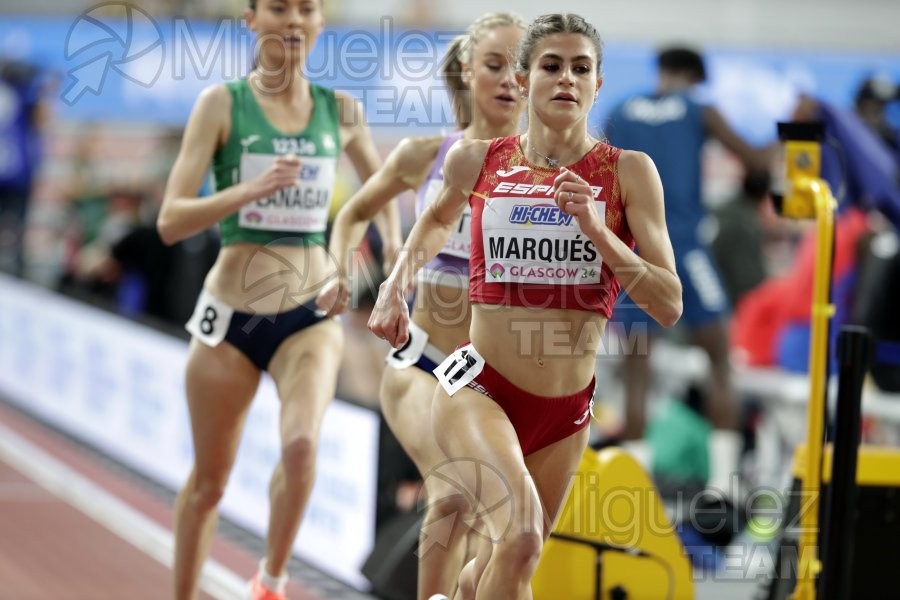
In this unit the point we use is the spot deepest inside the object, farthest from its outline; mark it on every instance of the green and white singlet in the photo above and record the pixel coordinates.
(297, 215)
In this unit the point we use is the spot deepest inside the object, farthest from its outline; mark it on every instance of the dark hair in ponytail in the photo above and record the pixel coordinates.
(546, 25)
(459, 53)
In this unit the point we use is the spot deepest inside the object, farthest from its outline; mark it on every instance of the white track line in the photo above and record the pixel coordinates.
(127, 523)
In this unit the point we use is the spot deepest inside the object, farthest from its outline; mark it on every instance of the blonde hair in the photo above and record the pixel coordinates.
(459, 53)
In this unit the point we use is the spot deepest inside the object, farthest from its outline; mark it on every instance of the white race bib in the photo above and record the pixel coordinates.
(300, 208)
(210, 320)
(460, 242)
(530, 240)
(411, 352)
(459, 369)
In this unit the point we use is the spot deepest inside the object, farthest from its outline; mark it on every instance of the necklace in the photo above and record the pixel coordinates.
(551, 162)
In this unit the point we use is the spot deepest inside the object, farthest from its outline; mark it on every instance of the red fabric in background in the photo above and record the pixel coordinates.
(764, 312)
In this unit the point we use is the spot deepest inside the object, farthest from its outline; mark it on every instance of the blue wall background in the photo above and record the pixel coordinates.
(142, 69)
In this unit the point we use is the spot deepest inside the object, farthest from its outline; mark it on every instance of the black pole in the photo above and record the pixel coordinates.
(854, 350)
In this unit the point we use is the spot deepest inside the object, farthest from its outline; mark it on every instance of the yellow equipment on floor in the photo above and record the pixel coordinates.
(613, 540)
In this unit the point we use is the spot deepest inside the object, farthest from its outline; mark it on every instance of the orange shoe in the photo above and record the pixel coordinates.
(258, 591)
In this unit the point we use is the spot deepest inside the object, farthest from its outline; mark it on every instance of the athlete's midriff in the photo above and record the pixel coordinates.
(444, 313)
(547, 352)
(268, 279)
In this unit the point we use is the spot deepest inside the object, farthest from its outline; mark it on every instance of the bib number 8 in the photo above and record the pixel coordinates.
(210, 320)
(207, 324)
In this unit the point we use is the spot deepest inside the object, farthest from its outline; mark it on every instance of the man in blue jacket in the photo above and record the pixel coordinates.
(671, 125)
(20, 118)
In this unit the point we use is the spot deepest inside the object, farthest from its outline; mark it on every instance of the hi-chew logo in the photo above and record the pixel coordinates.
(539, 214)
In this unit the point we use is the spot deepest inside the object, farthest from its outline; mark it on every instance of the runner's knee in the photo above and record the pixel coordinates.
(298, 454)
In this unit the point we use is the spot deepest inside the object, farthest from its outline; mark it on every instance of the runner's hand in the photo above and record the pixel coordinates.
(390, 317)
(334, 297)
(283, 173)
(575, 197)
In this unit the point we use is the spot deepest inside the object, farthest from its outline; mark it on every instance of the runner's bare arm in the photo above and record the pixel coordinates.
(404, 168)
(650, 278)
(755, 159)
(432, 230)
(390, 317)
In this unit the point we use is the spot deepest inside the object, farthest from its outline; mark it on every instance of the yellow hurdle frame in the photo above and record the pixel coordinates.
(809, 196)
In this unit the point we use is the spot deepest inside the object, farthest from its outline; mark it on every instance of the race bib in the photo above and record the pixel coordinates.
(530, 240)
(301, 208)
(210, 320)
(460, 242)
(411, 351)
(459, 369)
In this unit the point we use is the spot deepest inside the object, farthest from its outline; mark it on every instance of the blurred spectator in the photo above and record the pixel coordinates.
(872, 99)
(144, 266)
(22, 114)
(678, 435)
(118, 256)
(856, 162)
(671, 124)
(739, 243)
(114, 254)
(92, 265)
